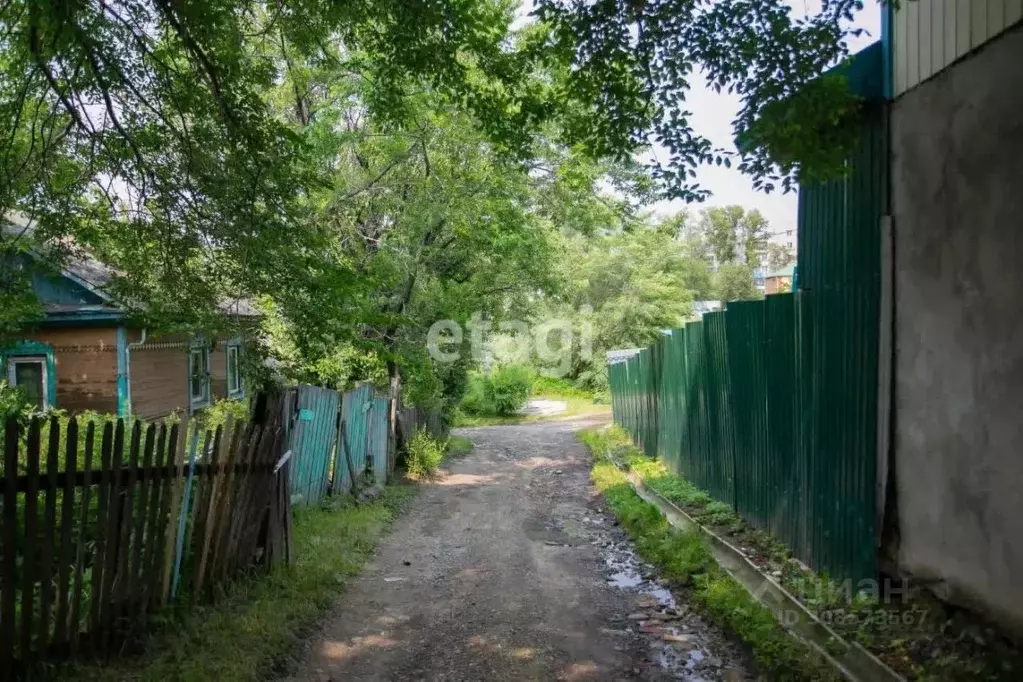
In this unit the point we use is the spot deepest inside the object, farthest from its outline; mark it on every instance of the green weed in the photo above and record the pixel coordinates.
(920, 638)
(686, 560)
(424, 455)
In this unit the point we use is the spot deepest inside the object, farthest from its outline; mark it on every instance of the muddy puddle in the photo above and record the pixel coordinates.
(680, 644)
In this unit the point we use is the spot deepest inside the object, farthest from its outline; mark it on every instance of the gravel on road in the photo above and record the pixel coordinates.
(507, 567)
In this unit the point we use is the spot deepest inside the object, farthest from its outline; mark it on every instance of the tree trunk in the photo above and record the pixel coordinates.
(394, 383)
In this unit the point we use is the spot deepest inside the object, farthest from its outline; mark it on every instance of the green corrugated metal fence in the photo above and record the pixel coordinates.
(771, 406)
(740, 408)
(377, 448)
(313, 427)
(351, 452)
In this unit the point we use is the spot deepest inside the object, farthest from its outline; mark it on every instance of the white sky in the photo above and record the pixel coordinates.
(712, 116)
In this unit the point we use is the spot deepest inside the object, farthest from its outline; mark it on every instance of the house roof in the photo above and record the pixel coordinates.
(94, 276)
(79, 266)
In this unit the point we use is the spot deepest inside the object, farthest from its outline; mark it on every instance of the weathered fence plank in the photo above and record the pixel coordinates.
(49, 531)
(76, 595)
(60, 635)
(150, 577)
(28, 565)
(99, 557)
(107, 521)
(8, 560)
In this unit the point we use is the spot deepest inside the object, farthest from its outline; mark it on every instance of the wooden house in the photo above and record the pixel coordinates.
(86, 355)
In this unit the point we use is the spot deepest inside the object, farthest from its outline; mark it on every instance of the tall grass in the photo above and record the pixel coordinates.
(424, 455)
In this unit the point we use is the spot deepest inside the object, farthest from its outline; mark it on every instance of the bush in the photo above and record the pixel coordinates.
(500, 394)
(424, 455)
(475, 401)
(217, 414)
(509, 388)
(12, 402)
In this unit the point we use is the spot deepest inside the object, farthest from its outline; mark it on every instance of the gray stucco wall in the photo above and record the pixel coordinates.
(957, 195)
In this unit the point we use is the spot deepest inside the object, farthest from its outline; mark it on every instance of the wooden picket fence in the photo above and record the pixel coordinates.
(105, 523)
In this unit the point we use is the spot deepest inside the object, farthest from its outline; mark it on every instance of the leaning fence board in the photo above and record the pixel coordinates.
(208, 509)
(8, 565)
(183, 514)
(76, 595)
(28, 568)
(60, 634)
(176, 493)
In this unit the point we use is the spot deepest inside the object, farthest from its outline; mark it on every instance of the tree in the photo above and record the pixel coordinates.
(779, 256)
(626, 287)
(734, 282)
(365, 169)
(146, 129)
(734, 234)
(633, 62)
(422, 222)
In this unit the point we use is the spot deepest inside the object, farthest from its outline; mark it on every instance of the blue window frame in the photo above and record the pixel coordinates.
(235, 385)
(30, 367)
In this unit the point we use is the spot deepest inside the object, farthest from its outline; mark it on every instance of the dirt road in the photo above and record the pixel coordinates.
(507, 568)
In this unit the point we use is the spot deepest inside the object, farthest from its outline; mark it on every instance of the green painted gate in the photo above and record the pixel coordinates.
(351, 453)
(312, 416)
(378, 446)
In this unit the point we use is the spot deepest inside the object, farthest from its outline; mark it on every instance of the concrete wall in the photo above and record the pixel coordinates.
(957, 195)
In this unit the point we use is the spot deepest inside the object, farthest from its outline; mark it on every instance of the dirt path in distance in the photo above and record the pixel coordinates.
(506, 567)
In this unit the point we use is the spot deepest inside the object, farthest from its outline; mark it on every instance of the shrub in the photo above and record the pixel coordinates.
(509, 388)
(499, 394)
(217, 414)
(12, 401)
(424, 455)
(475, 401)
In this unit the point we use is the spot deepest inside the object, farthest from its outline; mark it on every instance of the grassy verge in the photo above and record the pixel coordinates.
(252, 632)
(919, 637)
(577, 406)
(686, 560)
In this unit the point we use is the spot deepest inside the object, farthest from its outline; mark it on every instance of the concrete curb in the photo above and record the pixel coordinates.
(852, 660)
